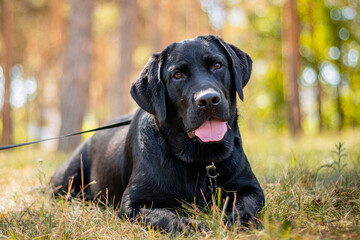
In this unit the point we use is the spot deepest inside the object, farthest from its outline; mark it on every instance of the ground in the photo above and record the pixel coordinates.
(311, 186)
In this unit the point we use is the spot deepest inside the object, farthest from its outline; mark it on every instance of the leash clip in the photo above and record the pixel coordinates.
(211, 171)
(212, 175)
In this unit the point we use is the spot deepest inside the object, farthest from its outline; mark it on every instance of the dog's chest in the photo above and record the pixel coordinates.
(187, 183)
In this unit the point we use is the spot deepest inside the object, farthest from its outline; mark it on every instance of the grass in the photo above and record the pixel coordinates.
(311, 187)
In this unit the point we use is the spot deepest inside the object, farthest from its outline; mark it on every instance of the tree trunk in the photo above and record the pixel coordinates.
(50, 66)
(340, 111)
(292, 63)
(167, 19)
(8, 33)
(319, 105)
(315, 64)
(120, 89)
(155, 31)
(77, 72)
(56, 31)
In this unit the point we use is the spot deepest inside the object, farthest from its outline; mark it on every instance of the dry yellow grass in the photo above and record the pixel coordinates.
(303, 202)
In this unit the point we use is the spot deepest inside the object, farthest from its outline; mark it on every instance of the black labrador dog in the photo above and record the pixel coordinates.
(187, 121)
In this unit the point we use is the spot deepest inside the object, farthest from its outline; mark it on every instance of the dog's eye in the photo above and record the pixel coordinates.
(217, 65)
(177, 75)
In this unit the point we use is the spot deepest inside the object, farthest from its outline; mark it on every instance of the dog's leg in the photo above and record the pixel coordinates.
(165, 219)
(74, 171)
(247, 199)
(156, 217)
(245, 207)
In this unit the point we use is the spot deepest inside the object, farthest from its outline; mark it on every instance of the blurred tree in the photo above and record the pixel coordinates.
(57, 30)
(264, 42)
(155, 31)
(330, 49)
(77, 72)
(168, 21)
(50, 60)
(119, 90)
(292, 63)
(329, 46)
(316, 61)
(8, 35)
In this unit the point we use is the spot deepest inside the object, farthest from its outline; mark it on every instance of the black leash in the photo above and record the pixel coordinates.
(114, 125)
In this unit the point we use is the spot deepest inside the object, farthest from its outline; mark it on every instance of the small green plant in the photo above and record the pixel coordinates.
(337, 165)
(40, 173)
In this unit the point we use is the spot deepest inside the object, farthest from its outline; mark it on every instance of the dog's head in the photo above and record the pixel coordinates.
(195, 81)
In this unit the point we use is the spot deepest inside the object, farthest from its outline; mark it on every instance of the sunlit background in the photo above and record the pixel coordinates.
(328, 48)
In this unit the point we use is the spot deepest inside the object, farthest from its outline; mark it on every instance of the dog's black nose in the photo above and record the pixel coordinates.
(207, 98)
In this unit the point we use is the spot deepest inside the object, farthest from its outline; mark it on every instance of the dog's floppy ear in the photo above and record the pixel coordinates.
(148, 91)
(241, 66)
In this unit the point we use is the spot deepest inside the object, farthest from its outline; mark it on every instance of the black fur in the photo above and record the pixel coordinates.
(154, 165)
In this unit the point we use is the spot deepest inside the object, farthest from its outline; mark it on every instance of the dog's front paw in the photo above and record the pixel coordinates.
(190, 224)
(170, 225)
(174, 224)
(237, 218)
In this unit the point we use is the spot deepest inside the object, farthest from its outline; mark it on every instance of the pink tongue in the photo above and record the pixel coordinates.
(212, 130)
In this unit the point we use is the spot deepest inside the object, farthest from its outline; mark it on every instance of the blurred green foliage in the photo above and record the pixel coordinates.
(329, 78)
